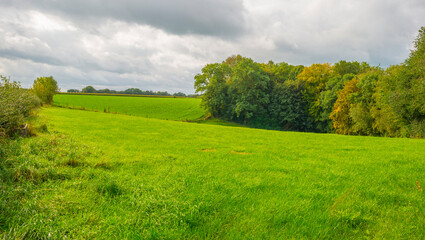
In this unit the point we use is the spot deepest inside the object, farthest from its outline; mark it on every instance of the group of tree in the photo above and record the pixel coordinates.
(345, 97)
(17, 103)
(134, 91)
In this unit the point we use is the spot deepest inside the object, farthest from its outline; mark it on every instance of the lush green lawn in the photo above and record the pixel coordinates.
(153, 107)
(101, 175)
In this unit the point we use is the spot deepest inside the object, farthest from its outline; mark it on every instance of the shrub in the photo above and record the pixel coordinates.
(16, 105)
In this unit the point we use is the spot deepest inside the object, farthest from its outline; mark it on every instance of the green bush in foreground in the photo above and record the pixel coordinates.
(16, 105)
(30, 169)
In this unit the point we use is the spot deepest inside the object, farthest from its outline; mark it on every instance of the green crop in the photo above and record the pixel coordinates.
(169, 108)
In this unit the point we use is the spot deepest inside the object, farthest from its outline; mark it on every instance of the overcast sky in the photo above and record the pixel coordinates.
(161, 45)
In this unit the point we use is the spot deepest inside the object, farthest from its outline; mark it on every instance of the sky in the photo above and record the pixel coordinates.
(161, 45)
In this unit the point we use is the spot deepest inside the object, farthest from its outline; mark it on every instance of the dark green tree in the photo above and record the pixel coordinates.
(73, 90)
(105, 90)
(213, 84)
(179, 94)
(289, 109)
(135, 91)
(249, 91)
(88, 89)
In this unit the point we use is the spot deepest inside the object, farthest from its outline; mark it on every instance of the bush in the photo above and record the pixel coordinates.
(16, 105)
(45, 88)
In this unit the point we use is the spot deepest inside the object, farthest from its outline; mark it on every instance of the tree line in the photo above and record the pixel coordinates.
(345, 98)
(135, 91)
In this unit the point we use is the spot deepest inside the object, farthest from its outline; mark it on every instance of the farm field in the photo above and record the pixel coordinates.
(101, 175)
(153, 107)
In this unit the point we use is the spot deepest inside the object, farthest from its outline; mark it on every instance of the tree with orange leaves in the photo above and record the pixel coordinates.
(340, 115)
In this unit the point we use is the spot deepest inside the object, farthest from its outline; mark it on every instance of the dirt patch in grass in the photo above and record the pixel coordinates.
(208, 150)
(240, 153)
(103, 165)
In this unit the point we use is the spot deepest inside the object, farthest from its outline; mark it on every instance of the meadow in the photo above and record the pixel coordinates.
(170, 108)
(112, 176)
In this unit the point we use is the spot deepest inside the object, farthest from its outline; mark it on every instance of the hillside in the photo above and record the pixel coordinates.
(135, 177)
(153, 107)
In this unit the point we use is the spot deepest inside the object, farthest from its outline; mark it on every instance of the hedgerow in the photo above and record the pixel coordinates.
(16, 105)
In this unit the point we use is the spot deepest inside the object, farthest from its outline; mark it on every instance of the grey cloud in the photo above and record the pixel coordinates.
(223, 18)
(377, 31)
(161, 45)
(12, 54)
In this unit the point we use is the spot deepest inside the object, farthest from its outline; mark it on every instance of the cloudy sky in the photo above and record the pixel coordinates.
(160, 45)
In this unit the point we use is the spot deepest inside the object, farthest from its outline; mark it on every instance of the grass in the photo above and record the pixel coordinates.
(168, 108)
(104, 176)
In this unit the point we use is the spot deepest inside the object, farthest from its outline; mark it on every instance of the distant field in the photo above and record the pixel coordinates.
(124, 177)
(153, 107)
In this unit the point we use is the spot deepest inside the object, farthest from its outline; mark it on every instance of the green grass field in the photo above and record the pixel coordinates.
(153, 107)
(112, 176)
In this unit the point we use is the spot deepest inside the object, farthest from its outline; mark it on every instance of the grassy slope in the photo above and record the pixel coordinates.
(138, 177)
(152, 107)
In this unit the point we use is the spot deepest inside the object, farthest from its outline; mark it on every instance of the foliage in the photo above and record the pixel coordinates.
(213, 84)
(353, 109)
(45, 88)
(133, 91)
(388, 114)
(289, 109)
(401, 95)
(16, 105)
(282, 72)
(88, 89)
(244, 91)
(340, 115)
(346, 98)
(249, 91)
(179, 94)
(363, 103)
(73, 91)
(316, 76)
(415, 72)
(328, 98)
(344, 67)
(344, 71)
